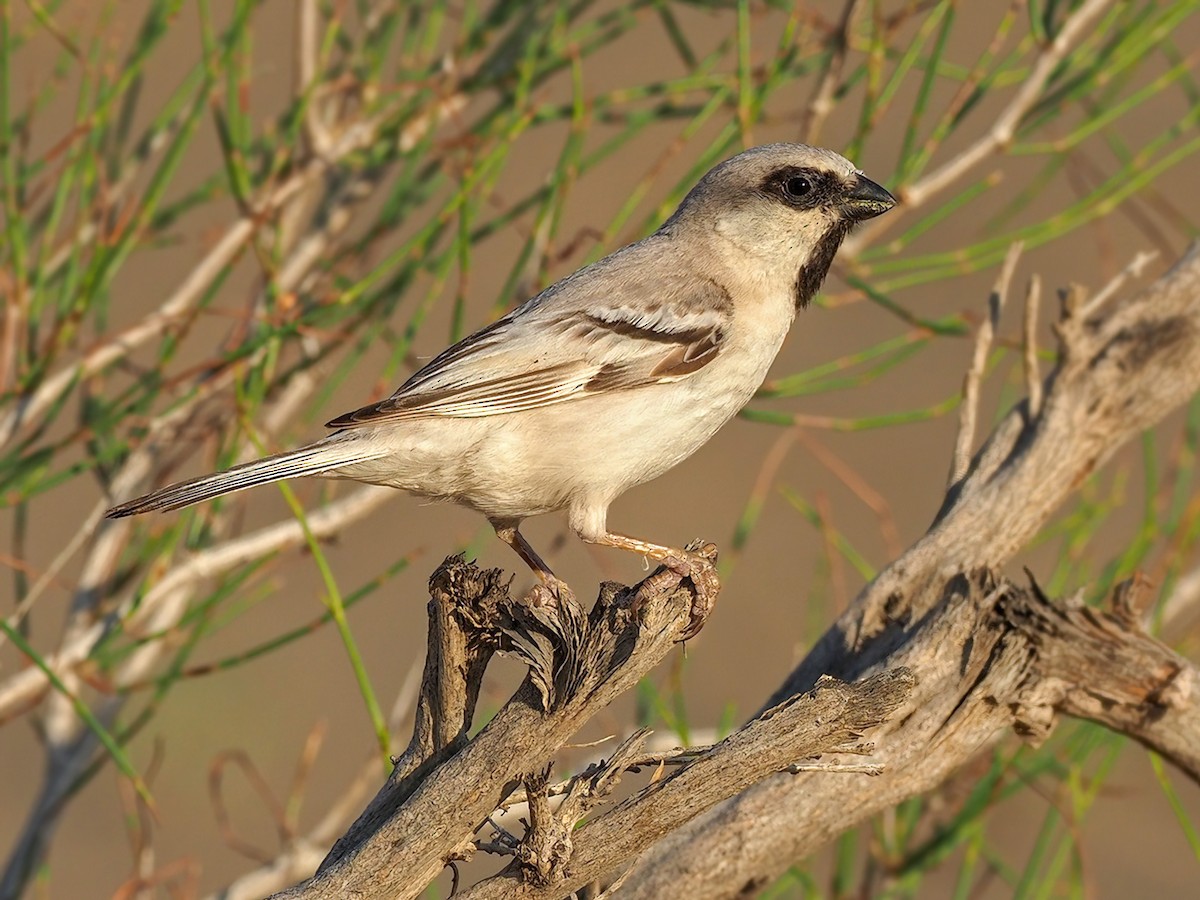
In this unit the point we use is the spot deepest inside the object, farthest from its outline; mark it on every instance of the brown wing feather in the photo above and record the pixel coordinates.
(628, 324)
(508, 394)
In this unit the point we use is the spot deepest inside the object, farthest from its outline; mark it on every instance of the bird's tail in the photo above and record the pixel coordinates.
(315, 459)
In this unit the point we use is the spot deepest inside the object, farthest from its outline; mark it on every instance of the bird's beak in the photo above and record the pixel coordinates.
(865, 199)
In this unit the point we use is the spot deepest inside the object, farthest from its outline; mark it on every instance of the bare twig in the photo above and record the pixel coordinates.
(302, 855)
(678, 756)
(308, 45)
(163, 605)
(1002, 132)
(1005, 126)
(850, 768)
(176, 306)
(1135, 269)
(1181, 610)
(1029, 349)
(859, 486)
(612, 889)
(969, 410)
(820, 104)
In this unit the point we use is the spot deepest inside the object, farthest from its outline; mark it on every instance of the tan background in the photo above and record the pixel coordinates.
(1130, 843)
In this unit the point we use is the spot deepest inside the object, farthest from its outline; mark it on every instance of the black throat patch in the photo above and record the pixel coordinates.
(812, 274)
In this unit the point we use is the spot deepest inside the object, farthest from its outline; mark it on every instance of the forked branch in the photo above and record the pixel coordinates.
(445, 787)
(988, 657)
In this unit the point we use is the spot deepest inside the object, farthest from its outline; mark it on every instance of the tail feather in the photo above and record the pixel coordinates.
(311, 460)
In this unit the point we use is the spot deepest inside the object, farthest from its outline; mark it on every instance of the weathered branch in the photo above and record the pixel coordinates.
(1102, 666)
(829, 719)
(989, 657)
(444, 787)
(1004, 127)
(460, 596)
(982, 665)
(578, 665)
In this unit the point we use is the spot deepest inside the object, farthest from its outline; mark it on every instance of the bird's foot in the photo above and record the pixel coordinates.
(549, 591)
(697, 564)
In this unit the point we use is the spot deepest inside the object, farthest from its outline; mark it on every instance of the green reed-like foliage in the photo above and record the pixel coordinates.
(342, 206)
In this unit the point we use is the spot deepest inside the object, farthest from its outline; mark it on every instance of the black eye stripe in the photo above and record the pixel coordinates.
(801, 187)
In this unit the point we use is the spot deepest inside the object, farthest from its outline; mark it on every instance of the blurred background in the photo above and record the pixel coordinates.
(227, 222)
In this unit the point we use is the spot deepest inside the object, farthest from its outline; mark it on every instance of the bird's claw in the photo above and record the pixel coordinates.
(548, 592)
(696, 565)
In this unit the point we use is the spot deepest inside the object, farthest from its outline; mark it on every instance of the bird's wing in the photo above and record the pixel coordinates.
(609, 327)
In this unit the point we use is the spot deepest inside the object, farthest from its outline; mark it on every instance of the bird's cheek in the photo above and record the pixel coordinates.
(748, 236)
(724, 226)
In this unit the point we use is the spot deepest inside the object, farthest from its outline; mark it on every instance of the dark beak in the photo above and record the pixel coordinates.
(866, 200)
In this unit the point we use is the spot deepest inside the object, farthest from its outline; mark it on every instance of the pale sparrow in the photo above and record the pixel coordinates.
(608, 377)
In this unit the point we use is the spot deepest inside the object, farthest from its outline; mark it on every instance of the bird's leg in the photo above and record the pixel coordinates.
(694, 563)
(509, 533)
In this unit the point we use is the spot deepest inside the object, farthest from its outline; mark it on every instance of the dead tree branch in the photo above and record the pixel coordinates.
(987, 657)
(426, 816)
(829, 719)
(444, 787)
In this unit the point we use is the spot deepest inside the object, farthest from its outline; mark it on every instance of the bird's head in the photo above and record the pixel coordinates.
(787, 206)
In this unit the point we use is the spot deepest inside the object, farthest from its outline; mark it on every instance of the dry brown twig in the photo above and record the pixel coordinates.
(1029, 350)
(821, 104)
(969, 410)
(303, 853)
(997, 138)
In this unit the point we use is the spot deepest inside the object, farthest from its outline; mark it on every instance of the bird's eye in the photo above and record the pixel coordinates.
(797, 186)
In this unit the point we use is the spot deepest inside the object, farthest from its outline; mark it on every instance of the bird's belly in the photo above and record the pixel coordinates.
(524, 464)
(597, 447)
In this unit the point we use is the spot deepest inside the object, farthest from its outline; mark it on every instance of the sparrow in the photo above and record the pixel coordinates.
(607, 378)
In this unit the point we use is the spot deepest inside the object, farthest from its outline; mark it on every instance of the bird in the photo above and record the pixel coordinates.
(607, 378)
